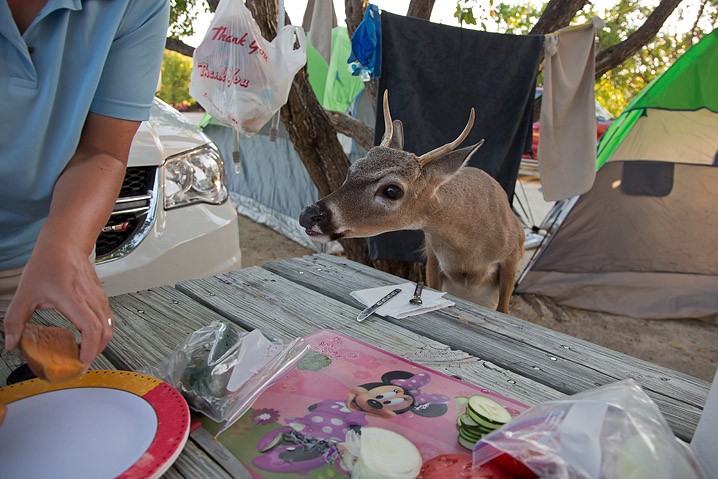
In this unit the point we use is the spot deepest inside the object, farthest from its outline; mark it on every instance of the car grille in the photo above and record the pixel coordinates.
(124, 229)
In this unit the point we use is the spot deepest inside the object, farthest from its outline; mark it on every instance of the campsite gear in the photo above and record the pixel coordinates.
(416, 299)
(641, 242)
(613, 431)
(432, 300)
(567, 150)
(369, 310)
(494, 73)
(240, 78)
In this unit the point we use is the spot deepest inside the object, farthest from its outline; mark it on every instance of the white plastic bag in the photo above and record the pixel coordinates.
(240, 78)
(612, 432)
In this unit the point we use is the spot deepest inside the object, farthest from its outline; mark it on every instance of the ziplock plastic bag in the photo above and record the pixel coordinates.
(615, 431)
(240, 78)
(221, 370)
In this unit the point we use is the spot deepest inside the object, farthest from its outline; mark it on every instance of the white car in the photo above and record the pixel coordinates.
(173, 220)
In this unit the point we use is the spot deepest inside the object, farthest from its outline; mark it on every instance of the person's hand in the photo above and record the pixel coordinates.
(64, 280)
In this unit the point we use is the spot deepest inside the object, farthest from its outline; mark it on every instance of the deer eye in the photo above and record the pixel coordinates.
(393, 192)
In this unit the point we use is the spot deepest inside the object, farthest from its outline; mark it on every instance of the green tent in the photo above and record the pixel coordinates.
(642, 242)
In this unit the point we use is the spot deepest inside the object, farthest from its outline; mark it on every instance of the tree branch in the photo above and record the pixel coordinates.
(351, 127)
(557, 14)
(179, 46)
(613, 56)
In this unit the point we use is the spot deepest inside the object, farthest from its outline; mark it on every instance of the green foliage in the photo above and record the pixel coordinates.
(464, 14)
(183, 14)
(176, 70)
(516, 19)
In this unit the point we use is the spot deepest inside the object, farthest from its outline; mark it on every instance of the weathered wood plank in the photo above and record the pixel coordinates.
(150, 324)
(256, 298)
(562, 362)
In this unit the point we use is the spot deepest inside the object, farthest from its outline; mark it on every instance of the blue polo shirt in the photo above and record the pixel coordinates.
(77, 56)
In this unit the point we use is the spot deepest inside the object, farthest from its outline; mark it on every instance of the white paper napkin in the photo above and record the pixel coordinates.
(399, 306)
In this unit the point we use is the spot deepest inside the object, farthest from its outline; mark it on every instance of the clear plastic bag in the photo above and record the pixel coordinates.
(240, 78)
(615, 431)
(221, 370)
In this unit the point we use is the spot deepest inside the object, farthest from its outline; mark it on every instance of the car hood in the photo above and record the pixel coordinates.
(165, 134)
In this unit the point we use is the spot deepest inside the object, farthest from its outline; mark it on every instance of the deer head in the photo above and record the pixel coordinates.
(388, 190)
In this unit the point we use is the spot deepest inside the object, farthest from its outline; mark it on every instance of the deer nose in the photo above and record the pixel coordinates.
(312, 215)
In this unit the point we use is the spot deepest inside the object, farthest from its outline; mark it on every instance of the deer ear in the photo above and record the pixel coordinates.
(397, 141)
(446, 166)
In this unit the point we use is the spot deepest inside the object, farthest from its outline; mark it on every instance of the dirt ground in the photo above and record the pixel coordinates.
(689, 346)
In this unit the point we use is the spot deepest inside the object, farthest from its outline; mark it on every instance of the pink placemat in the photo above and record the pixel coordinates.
(294, 427)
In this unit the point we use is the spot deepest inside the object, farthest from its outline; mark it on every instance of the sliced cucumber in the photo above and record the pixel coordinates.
(467, 444)
(470, 436)
(465, 422)
(481, 422)
(483, 416)
(488, 410)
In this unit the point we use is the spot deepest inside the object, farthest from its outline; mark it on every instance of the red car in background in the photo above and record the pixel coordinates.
(529, 163)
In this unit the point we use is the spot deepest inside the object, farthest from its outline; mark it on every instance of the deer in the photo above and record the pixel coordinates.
(473, 239)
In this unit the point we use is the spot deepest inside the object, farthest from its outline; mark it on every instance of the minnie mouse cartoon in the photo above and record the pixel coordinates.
(309, 442)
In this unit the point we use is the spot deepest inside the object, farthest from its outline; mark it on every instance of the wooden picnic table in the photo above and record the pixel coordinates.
(296, 297)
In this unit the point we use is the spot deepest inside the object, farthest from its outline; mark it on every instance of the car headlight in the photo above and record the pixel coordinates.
(196, 176)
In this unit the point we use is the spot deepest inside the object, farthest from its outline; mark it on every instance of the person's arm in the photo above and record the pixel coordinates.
(59, 274)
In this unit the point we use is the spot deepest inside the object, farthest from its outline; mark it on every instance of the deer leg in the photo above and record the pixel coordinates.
(507, 276)
(434, 278)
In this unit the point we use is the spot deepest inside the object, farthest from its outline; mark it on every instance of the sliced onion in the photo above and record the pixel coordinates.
(378, 453)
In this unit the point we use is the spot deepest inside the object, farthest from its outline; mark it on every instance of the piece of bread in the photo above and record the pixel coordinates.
(3, 411)
(51, 352)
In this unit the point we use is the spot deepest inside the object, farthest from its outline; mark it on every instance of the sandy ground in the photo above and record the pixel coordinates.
(687, 345)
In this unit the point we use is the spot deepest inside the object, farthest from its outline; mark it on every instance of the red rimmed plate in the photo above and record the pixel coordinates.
(103, 424)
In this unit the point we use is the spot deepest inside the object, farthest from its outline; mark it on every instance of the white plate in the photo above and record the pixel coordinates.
(105, 424)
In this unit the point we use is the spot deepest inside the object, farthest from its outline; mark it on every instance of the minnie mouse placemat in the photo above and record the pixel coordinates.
(295, 426)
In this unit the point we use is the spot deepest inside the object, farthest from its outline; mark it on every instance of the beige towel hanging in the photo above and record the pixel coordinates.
(567, 146)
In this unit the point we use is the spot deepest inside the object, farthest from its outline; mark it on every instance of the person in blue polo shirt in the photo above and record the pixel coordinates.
(77, 77)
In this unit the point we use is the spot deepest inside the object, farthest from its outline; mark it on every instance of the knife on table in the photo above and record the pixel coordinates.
(366, 312)
(218, 452)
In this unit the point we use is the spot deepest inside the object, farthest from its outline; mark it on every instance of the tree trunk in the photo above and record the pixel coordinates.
(557, 14)
(310, 130)
(613, 56)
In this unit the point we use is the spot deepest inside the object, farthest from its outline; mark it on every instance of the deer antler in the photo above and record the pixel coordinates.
(388, 126)
(442, 150)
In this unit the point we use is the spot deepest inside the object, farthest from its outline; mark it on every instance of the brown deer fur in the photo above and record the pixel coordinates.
(474, 241)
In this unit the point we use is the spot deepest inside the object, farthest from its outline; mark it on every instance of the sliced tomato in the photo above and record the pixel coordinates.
(458, 466)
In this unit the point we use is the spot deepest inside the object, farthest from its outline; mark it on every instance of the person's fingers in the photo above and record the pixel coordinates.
(16, 317)
(89, 325)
